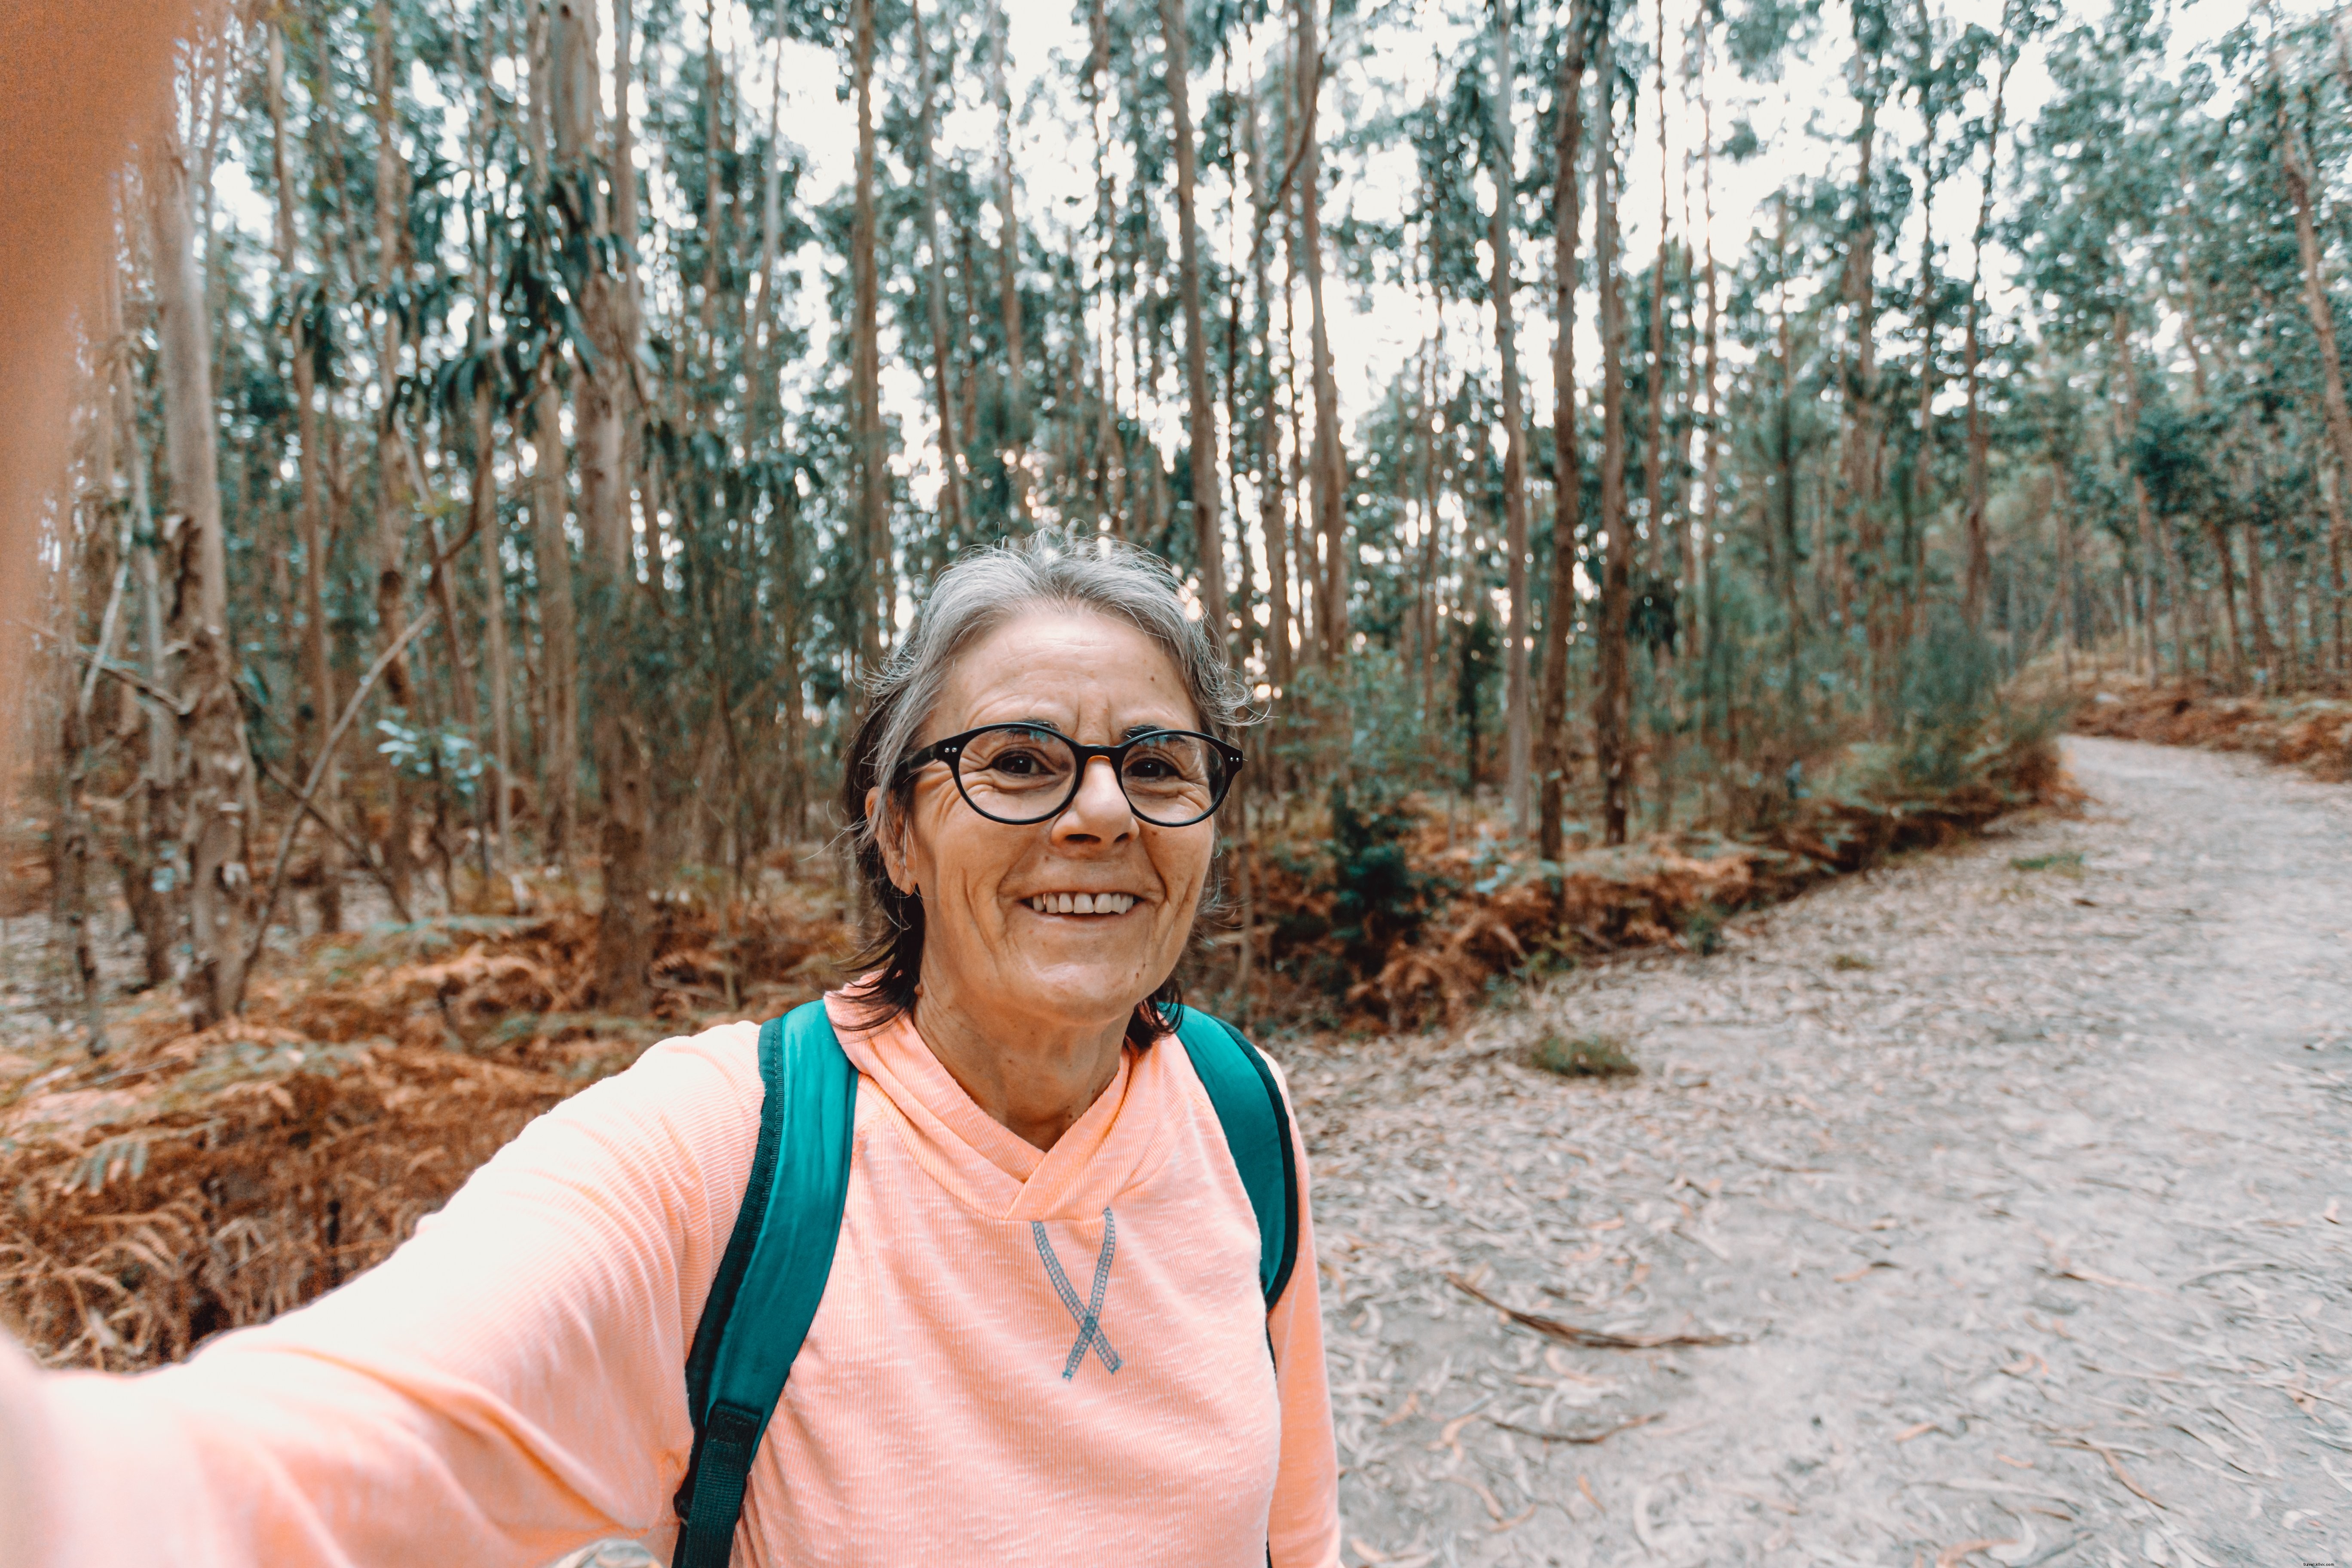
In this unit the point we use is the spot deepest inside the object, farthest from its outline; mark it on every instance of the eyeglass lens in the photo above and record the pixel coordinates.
(1018, 774)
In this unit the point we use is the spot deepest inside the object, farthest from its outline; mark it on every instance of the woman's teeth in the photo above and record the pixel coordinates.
(1082, 903)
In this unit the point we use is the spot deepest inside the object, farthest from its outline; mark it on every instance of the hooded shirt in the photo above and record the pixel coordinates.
(1021, 1356)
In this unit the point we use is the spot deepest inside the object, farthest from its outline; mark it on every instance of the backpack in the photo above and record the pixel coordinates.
(781, 1247)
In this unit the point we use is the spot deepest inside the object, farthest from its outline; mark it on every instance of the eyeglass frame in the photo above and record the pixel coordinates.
(949, 750)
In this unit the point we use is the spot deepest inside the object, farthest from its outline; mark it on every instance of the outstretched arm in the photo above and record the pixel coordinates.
(506, 1386)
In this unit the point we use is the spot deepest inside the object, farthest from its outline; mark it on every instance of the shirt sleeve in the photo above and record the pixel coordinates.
(510, 1384)
(1303, 1527)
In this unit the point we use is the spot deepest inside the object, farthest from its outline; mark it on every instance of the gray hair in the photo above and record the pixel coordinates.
(979, 593)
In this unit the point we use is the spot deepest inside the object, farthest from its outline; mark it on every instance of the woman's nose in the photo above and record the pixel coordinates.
(1099, 811)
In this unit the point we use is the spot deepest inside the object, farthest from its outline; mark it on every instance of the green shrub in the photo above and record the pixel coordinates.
(1585, 1056)
(2065, 862)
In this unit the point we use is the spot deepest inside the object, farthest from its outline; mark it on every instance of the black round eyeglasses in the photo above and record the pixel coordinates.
(1023, 774)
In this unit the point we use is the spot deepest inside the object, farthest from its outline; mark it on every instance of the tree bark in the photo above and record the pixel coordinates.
(1979, 569)
(395, 500)
(1520, 759)
(1201, 425)
(2339, 417)
(625, 829)
(1612, 742)
(951, 454)
(1327, 464)
(559, 744)
(866, 364)
(216, 792)
(1567, 467)
(317, 656)
(1859, 465)
(1008, 256)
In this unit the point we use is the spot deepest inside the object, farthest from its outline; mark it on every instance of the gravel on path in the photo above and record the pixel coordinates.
(2020, 1172)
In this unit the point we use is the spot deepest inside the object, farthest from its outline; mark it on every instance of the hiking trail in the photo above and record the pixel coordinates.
(2020, 1169)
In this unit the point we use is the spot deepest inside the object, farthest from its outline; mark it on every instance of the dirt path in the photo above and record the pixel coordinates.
(2029, 1184)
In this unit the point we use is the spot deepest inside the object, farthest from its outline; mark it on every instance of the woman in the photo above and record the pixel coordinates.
(1041, 1338)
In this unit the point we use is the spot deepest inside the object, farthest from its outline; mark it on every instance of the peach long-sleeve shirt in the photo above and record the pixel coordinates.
(510, 1384)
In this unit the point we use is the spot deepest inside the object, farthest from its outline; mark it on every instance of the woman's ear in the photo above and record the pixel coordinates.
(889, 838)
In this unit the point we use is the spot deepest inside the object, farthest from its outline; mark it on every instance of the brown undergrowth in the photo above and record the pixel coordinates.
(188, 1182)
(2313, 733)
(184, 1183)
(1451, 922)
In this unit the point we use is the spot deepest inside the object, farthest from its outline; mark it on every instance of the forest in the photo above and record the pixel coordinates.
(516, 429)
(1646, 460)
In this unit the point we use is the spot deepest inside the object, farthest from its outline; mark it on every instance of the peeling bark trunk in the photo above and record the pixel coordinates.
(318, 666)
(951, 453)
(1610, 716)
(1568, 467)
(866, 364)
(1518, 744)
(1326, 464)
(1016, 397)
(1201, 424)
(215, 792)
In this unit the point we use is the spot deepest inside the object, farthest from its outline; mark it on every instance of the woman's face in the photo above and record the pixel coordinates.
(988, 951)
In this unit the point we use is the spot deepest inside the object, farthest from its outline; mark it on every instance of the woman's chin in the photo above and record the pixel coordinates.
(1089, 988)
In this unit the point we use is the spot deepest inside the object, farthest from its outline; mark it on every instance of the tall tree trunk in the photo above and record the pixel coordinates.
(1568, 467)
(1611, 717)
(552, 548)
(482, 503)
(1784, 452)
(1979, 568)
(1328, 464)
(1008, 268)
(951, 454)
(1201, 426)
(1859, 465)
(2152, 552)
(1273, 503)
(1658, 561)
(1712, 429)
(1520, 759)
(216, 789)
(317, 658)
(865, 365)
(2300, 184)
(394, 501)
(625, 829)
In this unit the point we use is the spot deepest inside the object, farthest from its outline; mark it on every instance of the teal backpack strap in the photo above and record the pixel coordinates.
(774, 1270)
(1256, 1125)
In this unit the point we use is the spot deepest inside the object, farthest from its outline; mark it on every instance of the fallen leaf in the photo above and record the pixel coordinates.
(1453, 1433)
(2328, 1214)
(1494, 1507)
(1366, 1551)
(1849, 1277)
(1910, 1432)
(2013, 1464)
(1951, 1556)
(2112, 1463)
(1584, 1485)
(1501, 1525)
(1411, 1403)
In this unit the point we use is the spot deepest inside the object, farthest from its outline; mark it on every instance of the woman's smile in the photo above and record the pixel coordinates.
(1092, 906)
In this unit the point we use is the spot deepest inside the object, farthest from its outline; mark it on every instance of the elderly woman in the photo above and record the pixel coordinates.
(1042, 1319)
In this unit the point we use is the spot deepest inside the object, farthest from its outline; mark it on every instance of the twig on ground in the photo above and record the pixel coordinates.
(1596, 1339)
(1584, 1438)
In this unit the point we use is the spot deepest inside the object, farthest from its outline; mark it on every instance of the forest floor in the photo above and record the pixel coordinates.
(2017, 1171)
